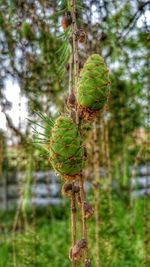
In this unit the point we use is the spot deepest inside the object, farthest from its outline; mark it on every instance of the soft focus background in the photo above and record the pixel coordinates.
(34, 218)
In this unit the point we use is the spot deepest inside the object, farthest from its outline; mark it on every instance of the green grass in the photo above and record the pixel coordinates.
(50, 243)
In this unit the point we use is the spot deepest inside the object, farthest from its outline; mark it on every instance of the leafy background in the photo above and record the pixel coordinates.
(34, 54)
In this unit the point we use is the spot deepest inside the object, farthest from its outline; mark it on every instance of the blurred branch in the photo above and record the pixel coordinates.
(18, 133)
(134, 19)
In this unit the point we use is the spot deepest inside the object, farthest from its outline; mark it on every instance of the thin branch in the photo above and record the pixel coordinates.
(75, 42)
(130, 25)
(71, 70)
(15, 129)
(71, 94)
(96, 186)
(76, 70)
(73, 220)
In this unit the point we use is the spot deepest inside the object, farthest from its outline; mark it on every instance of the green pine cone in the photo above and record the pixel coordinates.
(93, 85)
(66, 150)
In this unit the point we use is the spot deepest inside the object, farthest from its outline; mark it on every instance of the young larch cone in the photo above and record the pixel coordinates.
(93, 87)
(66, 149)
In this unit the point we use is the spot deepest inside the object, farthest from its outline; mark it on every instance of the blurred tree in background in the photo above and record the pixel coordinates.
(30, 41)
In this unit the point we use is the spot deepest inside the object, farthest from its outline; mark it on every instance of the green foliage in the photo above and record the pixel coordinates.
(27, 32)
(126, 117)
(64, 51)
(49, 242)
(48, 124)
(93, 83)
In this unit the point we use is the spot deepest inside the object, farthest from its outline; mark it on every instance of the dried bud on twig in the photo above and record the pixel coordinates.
(76, 253)
(88, 210)
(76, 188)
(66, 20)
(85, 153)
(79, 199)
(81, 36)
(87, 263)
(67, 189)
(81, 64)
(71, 100)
